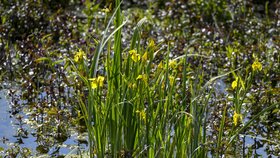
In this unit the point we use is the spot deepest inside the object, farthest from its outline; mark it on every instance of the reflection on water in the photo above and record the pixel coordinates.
(6, 127)
(260, 139)
(16, 130)
(220, 87)
(41, 138)
(11, 129)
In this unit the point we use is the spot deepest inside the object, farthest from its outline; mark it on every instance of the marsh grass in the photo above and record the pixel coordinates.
(147, 107)
(146, 79)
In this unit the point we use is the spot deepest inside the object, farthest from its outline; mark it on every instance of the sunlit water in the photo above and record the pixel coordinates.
(6, 127)
(8, 131)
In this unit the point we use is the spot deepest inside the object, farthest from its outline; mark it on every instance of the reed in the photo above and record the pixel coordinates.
(141, 106)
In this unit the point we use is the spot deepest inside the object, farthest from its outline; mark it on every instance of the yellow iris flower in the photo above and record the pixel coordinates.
(234, 83)
(142, 114)
(236, 118)
(79, 56)
(173, 64)
(142, 77)
(257, 66)
(139, 77)
(95, 82)
(151, 43)
(134, 56)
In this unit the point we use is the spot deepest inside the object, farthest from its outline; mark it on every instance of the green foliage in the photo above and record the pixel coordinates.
(149, 83)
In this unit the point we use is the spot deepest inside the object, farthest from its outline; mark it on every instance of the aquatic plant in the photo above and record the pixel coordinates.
(153, 82)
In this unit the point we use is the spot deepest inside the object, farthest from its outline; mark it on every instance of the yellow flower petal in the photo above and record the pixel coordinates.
(145, 56)
(134, 56)
(234, 83)
(79, 56)
(143, 78)
(236, 118)
(142, 114)
(151, 43)
(133, 51)
(76, 58)
(160, 65)
(139, 77)
(257, 66)
(171, 79)
(100, 81)
(106, 10)
(93, 83)
(172, 64)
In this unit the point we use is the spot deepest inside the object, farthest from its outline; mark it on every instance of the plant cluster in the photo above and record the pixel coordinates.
(193, 81)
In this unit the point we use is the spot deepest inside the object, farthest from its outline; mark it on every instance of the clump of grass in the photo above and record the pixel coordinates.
(141, 107)
(137, 111)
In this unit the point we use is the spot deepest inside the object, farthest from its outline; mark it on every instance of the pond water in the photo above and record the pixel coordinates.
(255, 141)
(10, 137)
(6, 127)
(10, 127)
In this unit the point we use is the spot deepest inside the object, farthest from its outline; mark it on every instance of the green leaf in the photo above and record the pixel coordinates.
(58, 62)
(275, 110)
(39, 60)
(4, 18)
